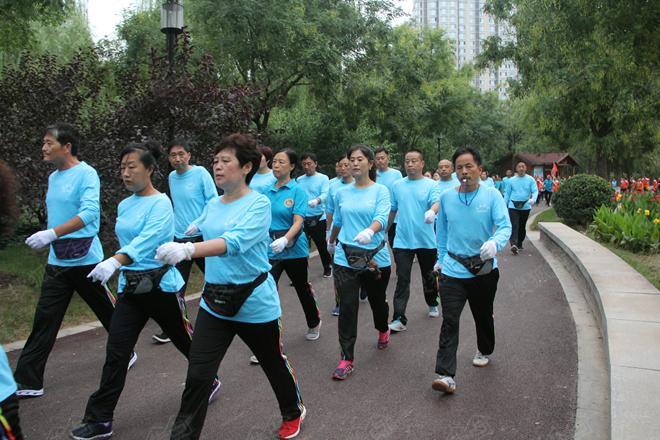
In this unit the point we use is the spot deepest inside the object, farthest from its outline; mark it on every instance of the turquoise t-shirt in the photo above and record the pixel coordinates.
(387, 178)
(411, 199)
(7, 383)
(335, 187)
(262, 182)
(315, 186)
(488, 182)
(355, 210)
(521, 189)
(143, 224)
(244, 225)
(190, 192)
(286, 201)
(463, 229)
(72, 192)
(444, 185)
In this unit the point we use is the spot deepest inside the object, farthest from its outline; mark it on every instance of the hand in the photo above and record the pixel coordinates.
(437, 267)
(331, 248)
(365, 236)
(313, 203)
(191, 231)
(278, 245)
(173, 253)
(41, 239)
(429, 216)
(104, 270)
(488, 250)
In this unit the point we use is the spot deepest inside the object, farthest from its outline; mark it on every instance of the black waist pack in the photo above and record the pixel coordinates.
(197, 239)
(474, 264)
(518, 205)
(359, 258)
(274, 235)
(227, 299)
(313, 220)
(72, 248)
(143, 281)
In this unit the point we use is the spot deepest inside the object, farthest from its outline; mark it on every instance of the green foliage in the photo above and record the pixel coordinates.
(578, 198)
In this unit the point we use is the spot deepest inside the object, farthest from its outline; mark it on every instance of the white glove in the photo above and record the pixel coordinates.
(429, 216)
(437, 267)
(365, 236)
(313, 203)
(191, 231)
(488, 250)
(41, 239)
(278, 245)
(104, 270)
(331, 248)
(173, 253)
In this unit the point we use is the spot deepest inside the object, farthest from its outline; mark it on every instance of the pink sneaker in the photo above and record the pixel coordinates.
(383, 339)
(343, 370)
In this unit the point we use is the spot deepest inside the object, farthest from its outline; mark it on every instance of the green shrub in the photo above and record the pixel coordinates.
(634, 231)
(578, 198)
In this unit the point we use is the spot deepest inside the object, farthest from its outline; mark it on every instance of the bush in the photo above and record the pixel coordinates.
(579, 197)
(8, 205)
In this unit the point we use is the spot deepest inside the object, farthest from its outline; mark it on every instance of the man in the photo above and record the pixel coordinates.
(316, 185)
(191, 188)
(415, 199)
(448, 178)
(521, 192)
(547, 186)
(473, 226)
(507, 176)
(74, 217)
(387, 176)
(486, 180)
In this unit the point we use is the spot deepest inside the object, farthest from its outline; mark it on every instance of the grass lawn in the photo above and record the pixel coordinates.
(21, 272)
(549, 215)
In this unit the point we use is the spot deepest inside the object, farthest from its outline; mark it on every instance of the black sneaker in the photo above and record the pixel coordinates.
(363, 294)
(327, 273)
(214, 389)
(161, 338)
(514, 249)
(24, 392)
(92, 431)
(132, 360)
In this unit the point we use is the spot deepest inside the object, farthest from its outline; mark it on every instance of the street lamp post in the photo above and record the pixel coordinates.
(171, 24)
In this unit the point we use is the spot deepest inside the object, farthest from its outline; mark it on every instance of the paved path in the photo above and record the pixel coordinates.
(528, 391)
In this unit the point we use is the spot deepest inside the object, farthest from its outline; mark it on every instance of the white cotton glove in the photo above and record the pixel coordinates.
(313, 203)
(191, 231)
(488, 250)
(173, 253)
(429, 216)
(365, 236)
(278, 245)
(41, 239)
(331, 248)
(104, 270)
(437, 267)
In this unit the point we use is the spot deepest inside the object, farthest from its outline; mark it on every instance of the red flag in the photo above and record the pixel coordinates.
(554, 170)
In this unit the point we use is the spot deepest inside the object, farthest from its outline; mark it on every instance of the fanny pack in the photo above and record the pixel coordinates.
(313, 220)
(72, 248)
(518, 205)
(196, 239)
(359, 258)
(143, 281)
(274, 235)
(227, 299)
(474, 264)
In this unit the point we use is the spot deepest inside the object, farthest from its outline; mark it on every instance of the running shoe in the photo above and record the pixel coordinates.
(445, 384)
(335, 311)
(161, 338)
(383, 339)
(92, 431)
(255, 361)
(514, 249)
(291, 428)
(397, 326)
(480, 360)
(132, 360)
(327, 272)
(214, 389)
(343, 370)
(433, 312)
(314, 333)
(24, 392)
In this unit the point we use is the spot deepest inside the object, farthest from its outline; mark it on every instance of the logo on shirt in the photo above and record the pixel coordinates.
(68, 188)
(190, 186)
(288, 203)
(482, 207)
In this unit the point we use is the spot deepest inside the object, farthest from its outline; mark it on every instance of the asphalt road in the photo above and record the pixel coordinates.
(527, 392)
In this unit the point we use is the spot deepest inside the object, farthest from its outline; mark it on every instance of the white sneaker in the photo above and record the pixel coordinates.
(445, 384)
(480, 360)
(132, 361)
(255, 361)
(434, 312)
(314, 333)
(397, 326)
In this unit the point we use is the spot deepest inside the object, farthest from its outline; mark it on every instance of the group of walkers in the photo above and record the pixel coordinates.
(638, 185)
(262, 225)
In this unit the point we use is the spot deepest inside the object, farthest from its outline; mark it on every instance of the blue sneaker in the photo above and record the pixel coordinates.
(214, 389)
(92, 431)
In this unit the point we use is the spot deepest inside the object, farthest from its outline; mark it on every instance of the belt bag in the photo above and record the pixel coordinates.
(227, 299)
(313, 220)
(518, 205)
(143, 281)
(189, 239)
(475, 264)
(274, 235)
(358, 257)
(72, 248)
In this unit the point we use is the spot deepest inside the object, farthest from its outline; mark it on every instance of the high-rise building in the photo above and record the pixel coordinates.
(467, 25)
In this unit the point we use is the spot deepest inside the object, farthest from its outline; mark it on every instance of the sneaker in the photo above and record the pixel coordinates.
(314, 333)
(383, 339)
(343, 370)
(363, 294)
(514, 249)
(24, 392)
(434, 312)
(291, 428)
(255, 361)
(397, 326)
(335, 311)
(161, 338)
(327, 273)
(445, 384)
(132, 361)
(480, 360)
(92, 431)
(214, 389)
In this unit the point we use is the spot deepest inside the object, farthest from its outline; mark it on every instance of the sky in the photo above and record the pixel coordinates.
(105, 15)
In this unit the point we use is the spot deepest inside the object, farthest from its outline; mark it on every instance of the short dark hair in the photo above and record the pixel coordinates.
(415, 150)
(267, 152)
(180, 142)
(65, 134)
(245, 149)
(293, 158)
(150, 151)
(309, 155)
(381, 150)
(466, 150)
(341, 157)
(368, 153)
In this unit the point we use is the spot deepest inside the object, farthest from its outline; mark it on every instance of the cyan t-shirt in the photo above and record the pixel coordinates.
(444, 185)
(190, 192)
(7, 383)
(262, 182)
(521, 189)
(387, 178)
(71, 192)
(411, 199)
(143, 224)
(488, 182)
(285, 202)
(244, 225)
(315, 186)
(335, 187)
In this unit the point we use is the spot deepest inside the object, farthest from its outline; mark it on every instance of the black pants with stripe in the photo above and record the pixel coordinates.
(213, 336)
(296, 269)
(9, 412)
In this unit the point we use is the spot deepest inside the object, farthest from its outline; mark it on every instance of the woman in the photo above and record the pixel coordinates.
(240, 296)
(263, 179)
(147, 288)
(361, 257)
